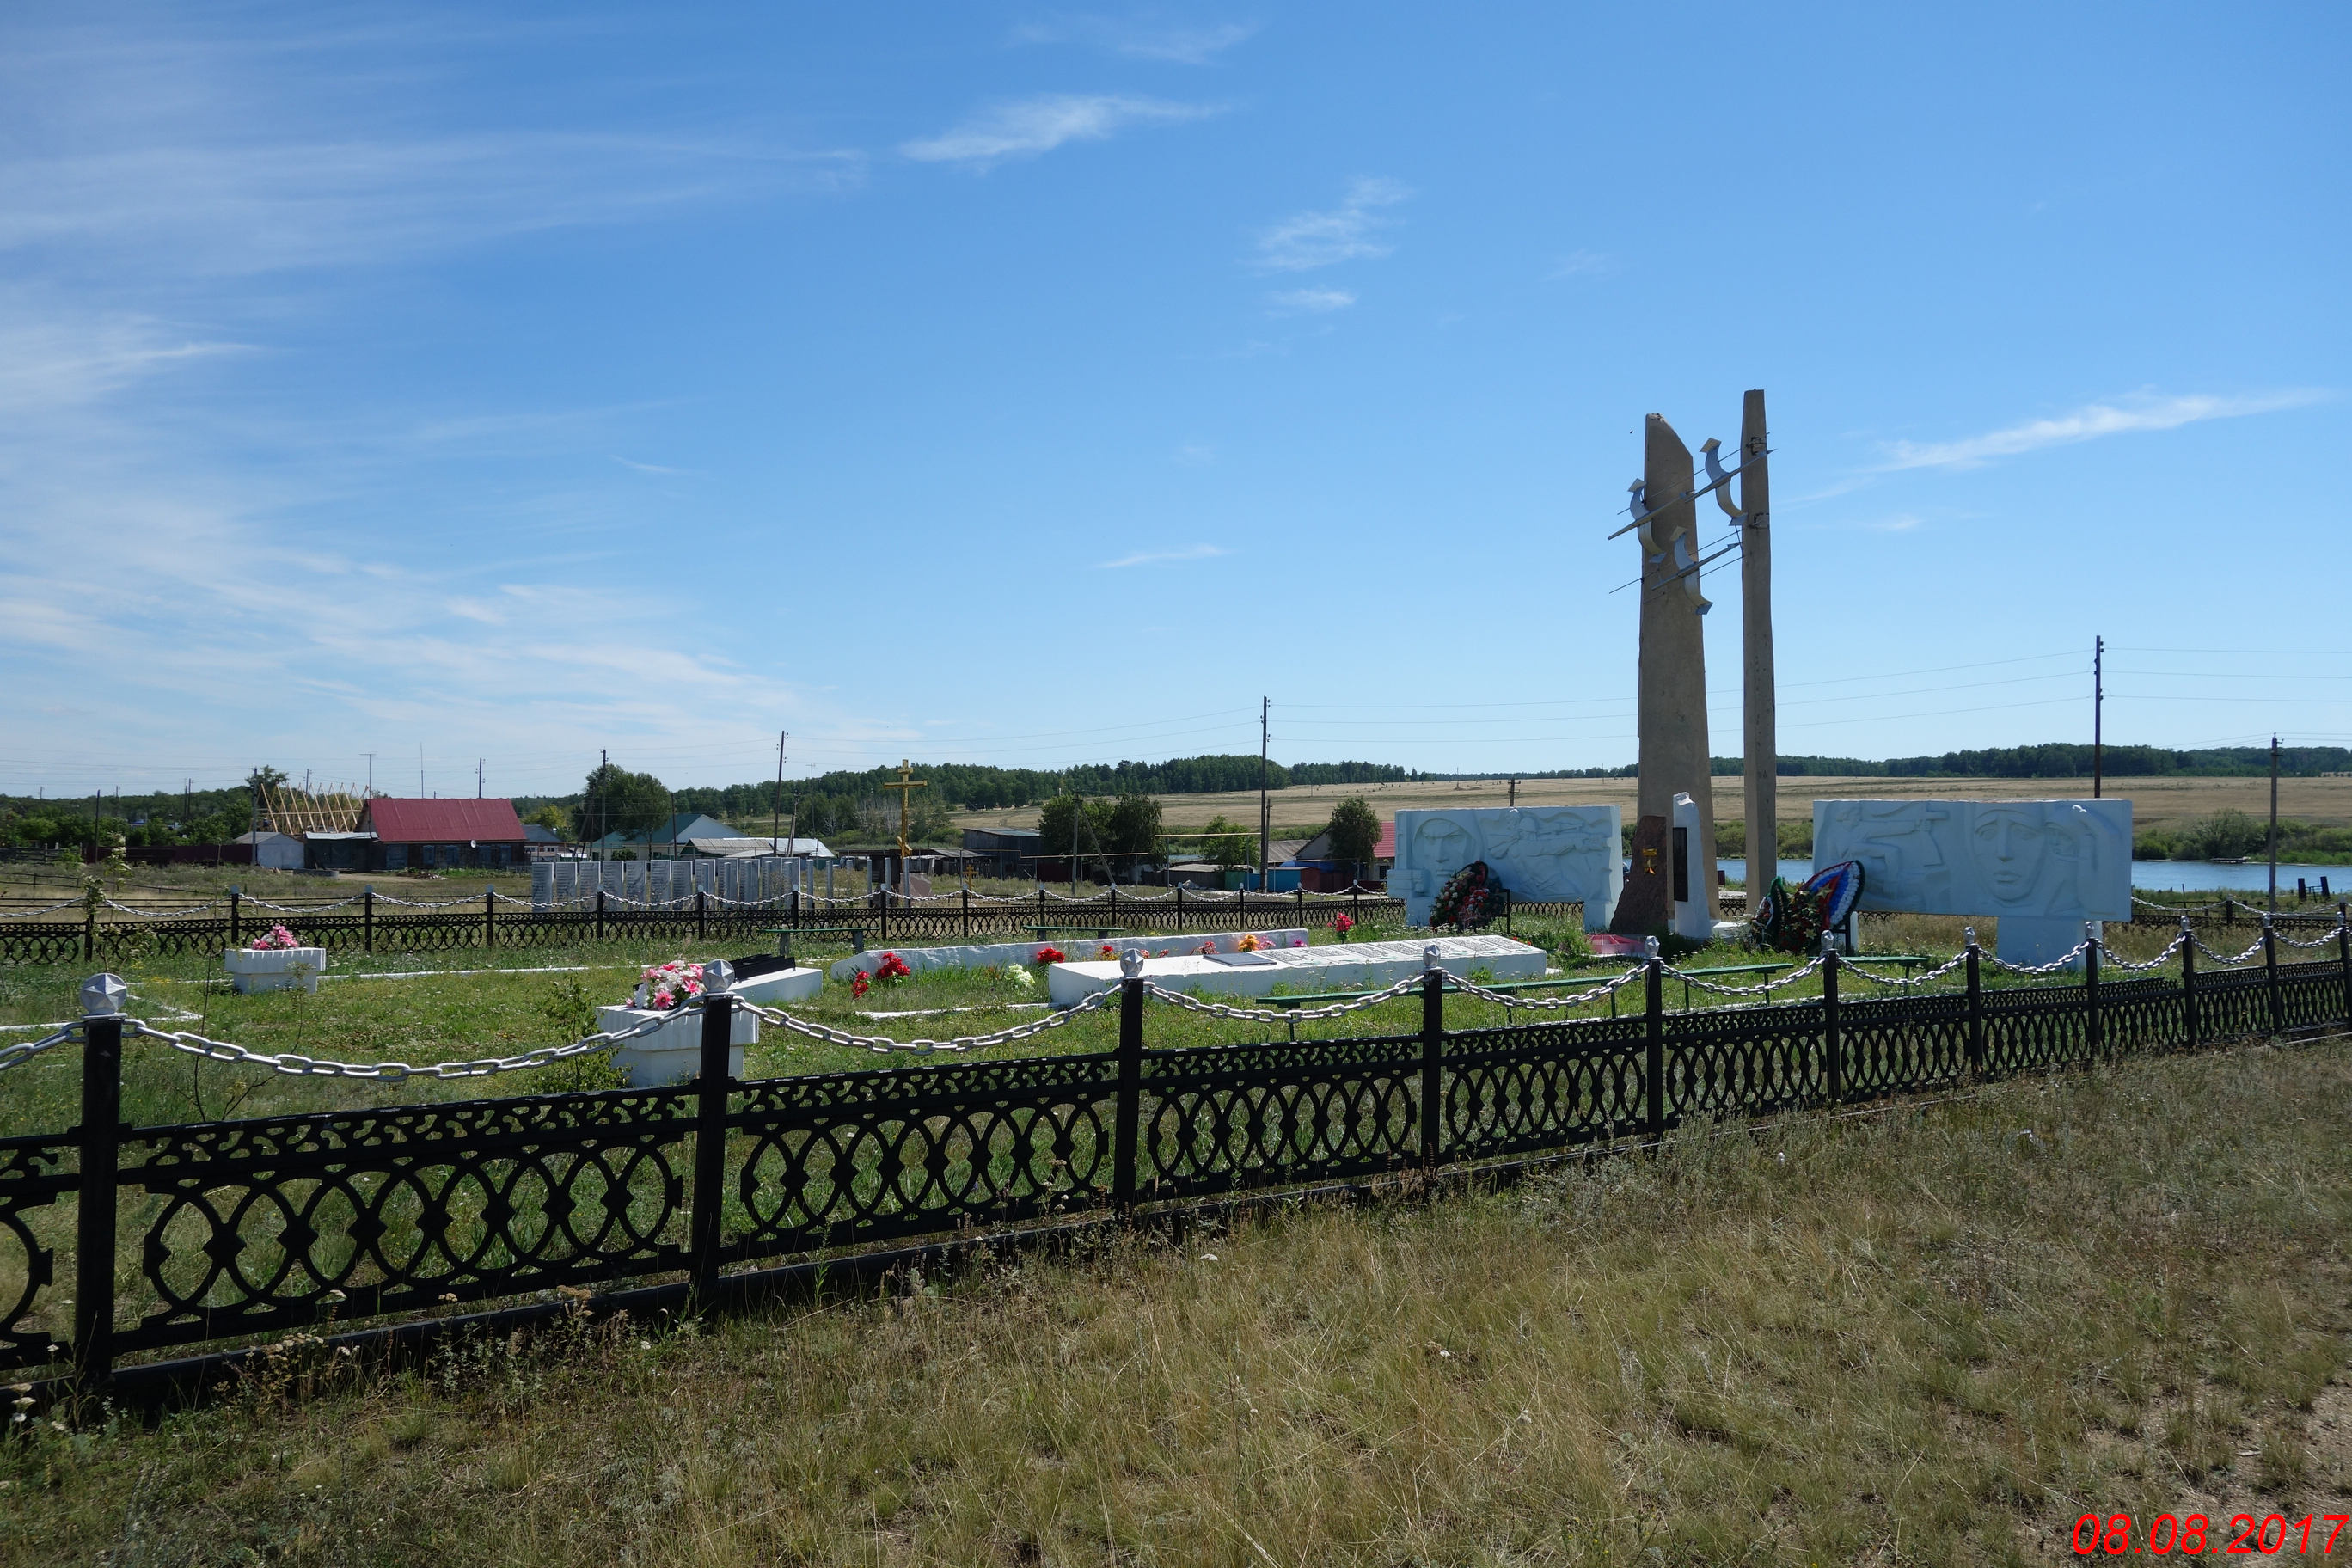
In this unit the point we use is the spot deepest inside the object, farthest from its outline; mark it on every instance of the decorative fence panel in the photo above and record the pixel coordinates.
(127, 1240)
(242, 1227)
(371, 923)
(852, 1158)
(1217, 1119)
(1534, 1087)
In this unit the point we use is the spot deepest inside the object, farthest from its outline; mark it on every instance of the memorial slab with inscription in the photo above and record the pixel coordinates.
(1559, 854)
(2040, 867)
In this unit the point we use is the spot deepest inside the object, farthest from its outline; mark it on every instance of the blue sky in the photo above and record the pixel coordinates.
(1009, 384)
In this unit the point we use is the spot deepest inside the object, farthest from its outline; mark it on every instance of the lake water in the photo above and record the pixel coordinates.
(2156, 875)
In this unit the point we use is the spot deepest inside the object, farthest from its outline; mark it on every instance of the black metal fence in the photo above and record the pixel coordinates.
(370, 924)
(176, 1238)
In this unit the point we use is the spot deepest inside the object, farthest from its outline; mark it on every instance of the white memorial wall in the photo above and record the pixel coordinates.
(2040, 868)
(1562, 854)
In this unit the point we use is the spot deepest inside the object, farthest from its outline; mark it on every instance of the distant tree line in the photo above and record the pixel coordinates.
(2064, 760)
(853, 804)
(196, 817)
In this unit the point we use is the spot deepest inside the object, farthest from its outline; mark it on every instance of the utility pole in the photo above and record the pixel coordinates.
(420, 769)
(1265, 810)
(371, 757)
(1515, 794)
(2098, 713)
(604, 789)
(477, 776)
(2274, 760)
(776, 807)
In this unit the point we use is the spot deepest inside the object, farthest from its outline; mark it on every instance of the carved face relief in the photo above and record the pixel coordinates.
(1443, 847)
(2011, 845)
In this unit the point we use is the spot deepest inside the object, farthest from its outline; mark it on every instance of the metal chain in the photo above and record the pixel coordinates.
(392, 1072)
(2321, 941)
(2175, 909)
(313, 908)
(883, 1045)
(388, 899)
(44, 909)
(162, 914)
(1764, 988)
(22, 1051)
(2244, 957)
(1511, 999)
(2063, 960)
(1856, 961)
(1278, 1016)
(2158, 962)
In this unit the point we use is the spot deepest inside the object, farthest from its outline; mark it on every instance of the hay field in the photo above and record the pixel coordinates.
(2155, 802)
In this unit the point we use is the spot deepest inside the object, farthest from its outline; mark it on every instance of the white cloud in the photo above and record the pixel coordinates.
(1160, 557)
(1581, 264)
(1195, 454)
(1313, 300)
(1036, 125)
(200, 153)
(55, 355)
(1173, 46)
(2087, 424)
(1348, 232)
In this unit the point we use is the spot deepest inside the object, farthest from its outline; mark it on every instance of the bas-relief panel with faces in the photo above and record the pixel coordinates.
(2047, 859)
(1564, 853)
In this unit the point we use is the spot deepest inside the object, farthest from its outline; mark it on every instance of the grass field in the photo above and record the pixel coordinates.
(423, 1010)
(1932, 1335)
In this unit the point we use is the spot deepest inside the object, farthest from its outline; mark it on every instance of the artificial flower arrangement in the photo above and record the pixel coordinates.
(665, 987)
(1467, 898)
(1248, 943)
(276, 938)
(1050, 955)
(1343, 924)
(1022, 979)
(892, 967)
(1109, 950)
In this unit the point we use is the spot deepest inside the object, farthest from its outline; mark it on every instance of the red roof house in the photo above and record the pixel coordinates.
(437, 834)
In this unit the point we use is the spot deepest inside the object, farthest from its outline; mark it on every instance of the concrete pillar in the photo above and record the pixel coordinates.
(1760, 738)
(1673, 681)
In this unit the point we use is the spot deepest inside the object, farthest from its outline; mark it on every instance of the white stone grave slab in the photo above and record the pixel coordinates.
(996, 954)
(1539, 853)
(274, 968)
(673, 1053)
(1341, 966)
(2040, 867)
(780, 986)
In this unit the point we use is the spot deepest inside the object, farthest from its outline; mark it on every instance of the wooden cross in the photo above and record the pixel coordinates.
(905, 786)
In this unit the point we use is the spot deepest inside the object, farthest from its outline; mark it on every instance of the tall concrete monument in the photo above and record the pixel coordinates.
(1760, 728)
(1672, 697)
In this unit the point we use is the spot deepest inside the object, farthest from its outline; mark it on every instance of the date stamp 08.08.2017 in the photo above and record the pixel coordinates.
(2119, 1536)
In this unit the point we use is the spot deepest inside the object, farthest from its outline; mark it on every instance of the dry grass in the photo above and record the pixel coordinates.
(1932, 1336)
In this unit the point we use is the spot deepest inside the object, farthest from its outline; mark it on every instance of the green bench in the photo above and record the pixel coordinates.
(786, 935)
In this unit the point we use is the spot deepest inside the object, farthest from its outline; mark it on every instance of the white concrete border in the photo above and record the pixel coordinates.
(996, 954)
(1342, 966)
